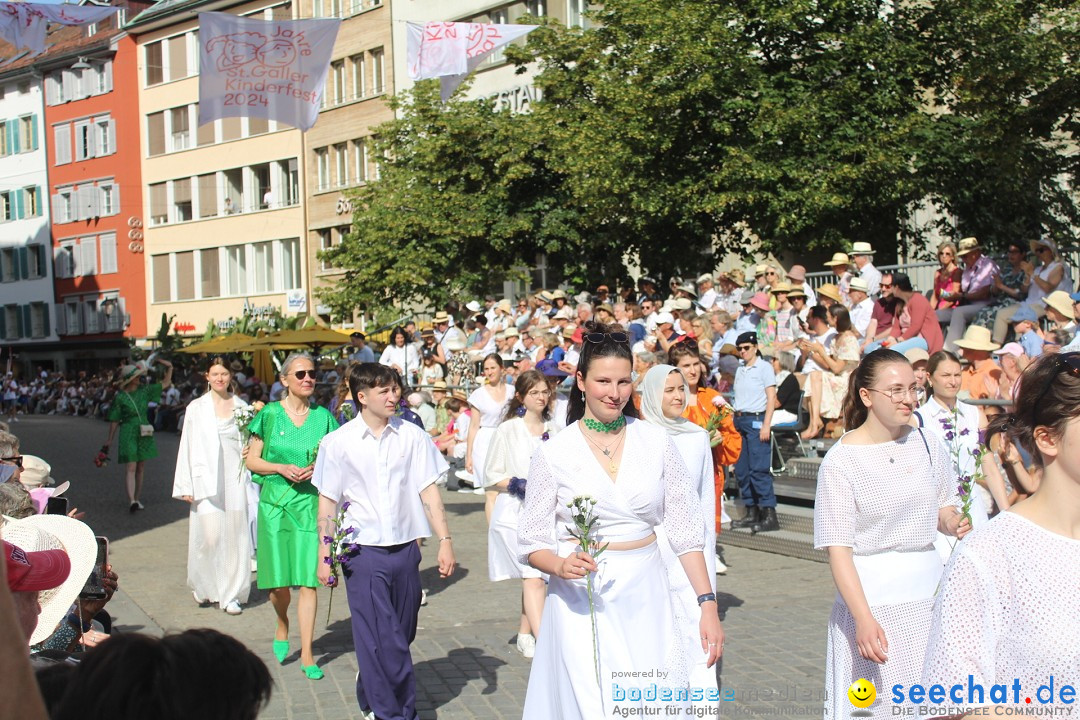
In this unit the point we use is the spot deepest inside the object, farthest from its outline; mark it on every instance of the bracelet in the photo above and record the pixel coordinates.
(445, 538)
(707, 597)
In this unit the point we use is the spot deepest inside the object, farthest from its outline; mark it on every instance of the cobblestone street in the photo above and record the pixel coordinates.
(775, 608)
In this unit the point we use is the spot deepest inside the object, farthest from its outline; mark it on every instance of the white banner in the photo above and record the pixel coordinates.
(451, 50)
(24, 24)
(272, 69)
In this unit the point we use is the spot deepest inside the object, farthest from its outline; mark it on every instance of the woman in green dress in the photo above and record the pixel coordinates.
(128, 414)
(285, 437)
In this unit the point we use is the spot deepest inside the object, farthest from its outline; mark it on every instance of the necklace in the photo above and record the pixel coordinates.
(608, 452)
(297, 413)
(613, 426)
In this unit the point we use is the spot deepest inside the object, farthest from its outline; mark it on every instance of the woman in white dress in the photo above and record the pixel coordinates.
(632, 477)
(1008, 605)
(883, 492)
(944, 415)
(664, 394)
(488, 405)
(211, 477)
(527, 424)
(401, 355)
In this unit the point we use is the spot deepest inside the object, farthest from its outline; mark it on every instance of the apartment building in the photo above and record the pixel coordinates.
(337, 149)
(27, 325)
(95, 190)
(224, 234)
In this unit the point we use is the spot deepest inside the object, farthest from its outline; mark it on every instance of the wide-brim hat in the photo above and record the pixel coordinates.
(1044, 243)
(606, 307)
(511, 332)
(427, 332)
(736, 276)
(545, 296)
(760, 301)
(977, 337)
(455, 343)
(438, 385)
(558, 295)
(568, 331)
(503, 304)
(704, 278)
(1060, 301)
(728, 349)
(781, 287)
(55, 532)
(472, 306)
(797, 273)
(861, 248)
(583, 297)
(859, 284)
(35, 472)
(760, 270)
(967, 245)
(830, 291)
(681, 304)
(838, 259)
(129, 373)
(796, 292)
(564, 313)
(440, 317)
(687, 288)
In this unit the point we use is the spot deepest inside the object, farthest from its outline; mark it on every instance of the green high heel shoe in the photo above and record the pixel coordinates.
(281, 650)
(313, 672)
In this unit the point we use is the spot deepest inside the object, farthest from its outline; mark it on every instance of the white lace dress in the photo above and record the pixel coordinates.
(1009, 608)
(882, 501)
(635, 622)
(491, 413)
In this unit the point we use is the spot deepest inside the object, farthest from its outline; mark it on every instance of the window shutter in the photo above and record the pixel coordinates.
(92, 140)
(61, 318)
(111, 132)
(18, 322)
(12, 137)
(28, 323)
(116, 199)
(107, 69)
(22, 267)
(57, 218)
(88, 246)
(62, 142)
(18, 198)
(86, 83)
(34, 131)
(79, 320)
(3, 323)
(108, 254)
(125, 319)
(51, 90)
(43, 259)
(45, 318)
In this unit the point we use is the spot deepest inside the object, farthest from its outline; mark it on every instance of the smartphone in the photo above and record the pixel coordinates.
(95, 584)
(56, 506)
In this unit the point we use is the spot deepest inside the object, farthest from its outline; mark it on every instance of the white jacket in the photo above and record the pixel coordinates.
(200, 450)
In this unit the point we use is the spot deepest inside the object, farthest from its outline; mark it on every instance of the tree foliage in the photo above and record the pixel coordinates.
(672, 133)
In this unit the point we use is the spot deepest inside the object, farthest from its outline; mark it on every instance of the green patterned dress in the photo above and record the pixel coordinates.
(288, 512)
(129, 410)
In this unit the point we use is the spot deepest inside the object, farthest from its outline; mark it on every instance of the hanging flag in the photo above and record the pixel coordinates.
(272, 69)
(24, 24)
(451, 50)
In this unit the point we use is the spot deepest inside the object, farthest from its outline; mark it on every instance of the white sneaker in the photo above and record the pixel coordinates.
(466, 476)
(233, 608)
(526, 645)
(423, 597)
(721, 568)
(478, 491)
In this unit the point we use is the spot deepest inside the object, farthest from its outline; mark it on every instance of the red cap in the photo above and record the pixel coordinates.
(31, 571)
(578, 336)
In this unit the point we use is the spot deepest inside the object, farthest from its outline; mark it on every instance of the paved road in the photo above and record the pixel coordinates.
(775, 608)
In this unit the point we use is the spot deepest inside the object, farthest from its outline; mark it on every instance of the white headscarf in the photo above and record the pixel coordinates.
(652, 396)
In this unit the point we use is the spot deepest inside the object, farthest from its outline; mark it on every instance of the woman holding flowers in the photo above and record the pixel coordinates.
(1007, 607)
(210, 476)
(707, 408)
(884, 490)
(286, 437)
(601, 486)
(526, 425)
(663, 399)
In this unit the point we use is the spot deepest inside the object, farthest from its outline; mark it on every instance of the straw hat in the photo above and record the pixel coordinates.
(558, 294)
(438, 385)
(35, 472)
(977, 337)
(830, 291)
(859, 284)
(967, 245)
(503, 304)
(838, 259)
(861, 248)
(761, 270)
(796, 293)
(55, 532)
(564, 313)
(129, 373)
(736, 276)
(440, 317)
(781, 287)
(1060, 301)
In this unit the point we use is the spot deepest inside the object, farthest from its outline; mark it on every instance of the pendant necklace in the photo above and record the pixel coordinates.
(608, 452)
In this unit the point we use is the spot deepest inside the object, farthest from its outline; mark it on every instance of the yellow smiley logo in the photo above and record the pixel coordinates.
(862, 693)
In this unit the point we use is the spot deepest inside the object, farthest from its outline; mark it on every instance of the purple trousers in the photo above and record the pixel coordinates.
(383, 588)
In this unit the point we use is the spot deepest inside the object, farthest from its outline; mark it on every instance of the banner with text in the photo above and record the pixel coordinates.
(25, 24)
(272, 69)
(451, 50)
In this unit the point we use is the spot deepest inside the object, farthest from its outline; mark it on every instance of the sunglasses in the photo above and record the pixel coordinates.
(885, 286)
(1067, 362)
(16, 460)
(301, 374)
(744, 348)
(596, 337)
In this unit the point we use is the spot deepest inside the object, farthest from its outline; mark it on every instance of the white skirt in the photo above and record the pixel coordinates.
(481, 443)
(502, 542)
(688, 613)
(636, 634)
(899, 588)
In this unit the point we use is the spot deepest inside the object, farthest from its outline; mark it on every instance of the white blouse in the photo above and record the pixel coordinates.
(404, 357)
(491, 410)
(1008, 609)
(653, 487)
(877, 498)
(511, 450)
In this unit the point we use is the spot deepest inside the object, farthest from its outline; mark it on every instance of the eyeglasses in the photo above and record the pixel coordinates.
(301, 374)
(744, 348)
(16, 460)
(1070, 363)
(898, 395)
(619, 337)
(538, 393)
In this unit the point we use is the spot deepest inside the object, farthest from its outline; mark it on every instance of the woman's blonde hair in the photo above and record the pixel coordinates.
(292, 358)
(947, 244)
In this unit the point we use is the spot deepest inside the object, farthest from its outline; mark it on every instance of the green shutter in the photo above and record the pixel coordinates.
(46, 307)
(18, 322)
(3, 323)
(34, 131)
(12, 136)
(22, 266)
(19, 198)
(28, 324)
(43, 264)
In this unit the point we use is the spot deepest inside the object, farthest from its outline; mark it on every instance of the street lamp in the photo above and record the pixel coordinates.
(108, 306)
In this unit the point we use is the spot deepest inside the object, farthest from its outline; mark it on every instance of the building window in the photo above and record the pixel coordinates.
(178, 57)
(322, 163)
(27, 133)
(92, 315)
(155, 67)
(155, 134)
(7, 206)
(208, 195)
(378, 84)
(31, 203)
(181, 130)
(107, 204)
(84, 141)
(106, 136)
(335, 8)
(341, 164)
(11, 322)
(182, 206)
(159, 204)
(326, 241)
(498, 17)
(185, 275)
(210, 273)
(104, 78)
(337, 70)
(8, 260)
(35, 261)
(535, 7)
(161, 271)
(359, 79)
(290, 264)
(361, 153)
(65, 259)
(39, 320)
(575, 13)
(263, 267)
(236, 282)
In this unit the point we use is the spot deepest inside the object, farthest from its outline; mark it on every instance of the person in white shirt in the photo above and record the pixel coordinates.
(383, 472)
(819, 332)
(400, 355)
(862, 310)
(706, 294)
(862, 255)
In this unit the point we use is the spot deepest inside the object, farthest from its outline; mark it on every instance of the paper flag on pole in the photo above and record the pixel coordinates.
(451, 50)
(24, 24)
(273, 69)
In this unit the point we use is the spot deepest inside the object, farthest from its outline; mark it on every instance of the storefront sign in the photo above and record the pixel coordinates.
(516, 99)
(296, 301)
(183, 327)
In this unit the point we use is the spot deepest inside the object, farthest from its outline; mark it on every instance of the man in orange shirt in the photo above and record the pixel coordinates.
(981, 378)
